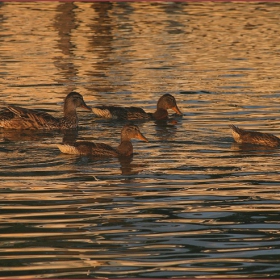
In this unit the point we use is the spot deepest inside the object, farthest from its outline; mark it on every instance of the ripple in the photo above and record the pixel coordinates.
(191, 202)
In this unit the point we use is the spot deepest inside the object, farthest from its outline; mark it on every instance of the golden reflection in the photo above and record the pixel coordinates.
(90, 42)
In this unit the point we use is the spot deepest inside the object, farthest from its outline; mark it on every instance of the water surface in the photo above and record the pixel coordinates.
(190, 203)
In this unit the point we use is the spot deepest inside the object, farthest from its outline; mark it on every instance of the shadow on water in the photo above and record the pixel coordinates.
(125, 165)
(253, 149)
(11, 135)
(167, 130)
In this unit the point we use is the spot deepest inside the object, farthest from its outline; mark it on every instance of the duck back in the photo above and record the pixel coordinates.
(15, 117)
(89, 149)
(120, 113)
(243, 136)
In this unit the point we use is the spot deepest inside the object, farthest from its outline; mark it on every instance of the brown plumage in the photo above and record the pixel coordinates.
(125, 148)
(14, 117)
(167, 101)
(243, 136)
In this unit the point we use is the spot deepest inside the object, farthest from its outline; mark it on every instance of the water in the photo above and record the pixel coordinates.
(190, 203)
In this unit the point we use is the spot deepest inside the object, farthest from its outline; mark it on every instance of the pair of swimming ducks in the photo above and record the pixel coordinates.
(13, 117)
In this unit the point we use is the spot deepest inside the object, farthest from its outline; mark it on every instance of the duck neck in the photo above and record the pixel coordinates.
(70, 113)
(125, 148)
(160, 114)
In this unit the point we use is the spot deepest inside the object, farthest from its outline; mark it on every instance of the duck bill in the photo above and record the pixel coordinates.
(85, 106)
(140, 136)
(176, 110)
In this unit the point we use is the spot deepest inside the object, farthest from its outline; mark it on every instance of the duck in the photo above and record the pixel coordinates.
(165, 102)
(125, 148)
(242, 136)
(14, 117)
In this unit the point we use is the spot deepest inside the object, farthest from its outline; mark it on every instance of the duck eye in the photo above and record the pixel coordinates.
(76, 98)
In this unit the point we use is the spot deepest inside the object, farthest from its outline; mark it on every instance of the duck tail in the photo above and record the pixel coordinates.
(234, 128)
(236, 132)
(102, 112)
(68, 149)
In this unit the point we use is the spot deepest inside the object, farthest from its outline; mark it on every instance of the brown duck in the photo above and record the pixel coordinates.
(14, 117)
(243, 136)
(125, 148)
(167, 101)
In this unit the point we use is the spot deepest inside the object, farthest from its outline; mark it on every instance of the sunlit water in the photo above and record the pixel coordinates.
(190, 203)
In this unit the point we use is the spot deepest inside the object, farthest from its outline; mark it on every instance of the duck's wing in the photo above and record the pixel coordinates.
(137, 113)
(15, 117)
(243, 136)
(89, 149)
(109, 112)
(120, 113)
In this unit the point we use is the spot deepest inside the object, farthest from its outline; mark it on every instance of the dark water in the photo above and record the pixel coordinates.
(190, 203)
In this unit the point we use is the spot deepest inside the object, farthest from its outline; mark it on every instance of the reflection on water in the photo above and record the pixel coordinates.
(190, 202)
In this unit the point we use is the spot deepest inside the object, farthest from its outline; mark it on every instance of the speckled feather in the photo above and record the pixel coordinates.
(20, 118)
(121, 113)
(89, 148)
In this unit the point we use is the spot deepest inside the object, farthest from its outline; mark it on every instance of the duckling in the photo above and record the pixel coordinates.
(243, 136)
(125, 148)
(167, 101)
(14, 117)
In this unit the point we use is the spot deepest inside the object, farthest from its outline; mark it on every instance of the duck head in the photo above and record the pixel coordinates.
(74, 100)
(167, 101)
(132, 131)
